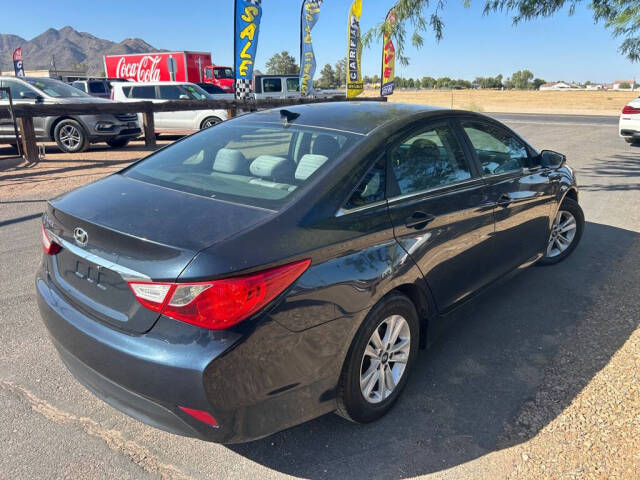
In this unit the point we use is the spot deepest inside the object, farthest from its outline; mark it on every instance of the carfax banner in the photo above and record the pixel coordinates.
(354, 51)
(388, 58)
(18, 66)
(247, 15)
(309, 15)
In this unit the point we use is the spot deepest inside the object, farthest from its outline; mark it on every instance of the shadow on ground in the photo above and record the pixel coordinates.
(617, 167)
(466, 392)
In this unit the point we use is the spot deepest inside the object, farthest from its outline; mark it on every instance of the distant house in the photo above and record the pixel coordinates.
(595, 86)
(64, 75)
(557, 86)
(617, 85)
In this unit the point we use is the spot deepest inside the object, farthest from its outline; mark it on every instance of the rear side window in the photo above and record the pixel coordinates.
(271, 85)
(497, 150)
(171, 92)
(293, 84)
(97, 87)
(429, 159)
(143, 92)
(371, 189)
(249, 163)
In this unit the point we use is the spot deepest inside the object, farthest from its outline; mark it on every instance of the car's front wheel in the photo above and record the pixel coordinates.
(209, 122)
(566, 232)
(379, 360)
(70, 136)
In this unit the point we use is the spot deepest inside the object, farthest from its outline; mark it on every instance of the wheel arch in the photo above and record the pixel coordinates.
(422, 300)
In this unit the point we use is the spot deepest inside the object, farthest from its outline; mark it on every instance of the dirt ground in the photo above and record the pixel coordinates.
(514, 101)
(60, 172)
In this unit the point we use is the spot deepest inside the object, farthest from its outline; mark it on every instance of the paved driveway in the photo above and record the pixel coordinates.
(508, 364)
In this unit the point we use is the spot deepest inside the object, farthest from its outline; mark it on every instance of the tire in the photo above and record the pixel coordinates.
(352, 402)
(118, 142)
(558, 249)
(70, 136)
(209, 122)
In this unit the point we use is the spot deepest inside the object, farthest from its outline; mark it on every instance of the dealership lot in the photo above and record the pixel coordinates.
(479, 404)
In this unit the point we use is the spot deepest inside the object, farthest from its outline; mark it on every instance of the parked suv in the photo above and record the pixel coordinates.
(183, 122)
(72, 133)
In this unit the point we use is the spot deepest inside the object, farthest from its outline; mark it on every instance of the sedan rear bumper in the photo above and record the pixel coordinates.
(149, 376)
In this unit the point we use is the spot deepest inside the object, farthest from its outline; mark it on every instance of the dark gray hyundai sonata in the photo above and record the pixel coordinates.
(291, 262)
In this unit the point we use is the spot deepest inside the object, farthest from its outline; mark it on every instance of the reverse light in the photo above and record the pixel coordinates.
(218, 304)
(629, 110)
(48, 246)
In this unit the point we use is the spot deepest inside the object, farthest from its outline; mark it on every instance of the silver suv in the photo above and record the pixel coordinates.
(72, 133)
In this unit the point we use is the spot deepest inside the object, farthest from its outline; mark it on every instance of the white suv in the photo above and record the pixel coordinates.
(184, 122)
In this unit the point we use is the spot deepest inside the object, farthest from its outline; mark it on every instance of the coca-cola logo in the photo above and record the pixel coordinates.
(144, 70)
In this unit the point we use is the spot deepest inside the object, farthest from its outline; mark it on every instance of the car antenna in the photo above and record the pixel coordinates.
(288, 116)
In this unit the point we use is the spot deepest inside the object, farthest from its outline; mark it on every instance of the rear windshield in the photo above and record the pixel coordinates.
(250, 163)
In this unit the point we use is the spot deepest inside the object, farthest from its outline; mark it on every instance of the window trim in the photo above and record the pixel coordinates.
(531, 152)
(342, 210)
(449, 121)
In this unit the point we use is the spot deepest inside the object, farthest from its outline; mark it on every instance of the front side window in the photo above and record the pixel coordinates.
(148, 92)
(271, 85)
(428, 159)
(97, 87)
(243, 162)
(372, 187)
(17, 89)
(223, 72)
(170, 92)
(498, 151)
(55, 88)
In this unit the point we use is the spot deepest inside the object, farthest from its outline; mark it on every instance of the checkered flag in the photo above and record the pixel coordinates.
(243, 88)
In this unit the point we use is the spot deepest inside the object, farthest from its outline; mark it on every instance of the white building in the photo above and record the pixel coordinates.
(558, 86)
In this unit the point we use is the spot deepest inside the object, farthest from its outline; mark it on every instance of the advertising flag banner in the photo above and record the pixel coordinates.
(354, 51)
(18, 66)
(247, 15)
(309, 16)
(388, 59)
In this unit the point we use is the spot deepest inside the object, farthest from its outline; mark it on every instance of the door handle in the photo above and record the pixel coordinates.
(419, 220)
(505, 200)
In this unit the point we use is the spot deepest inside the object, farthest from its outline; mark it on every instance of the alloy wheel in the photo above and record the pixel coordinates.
(563, 232)
(385, 359)
(70, 137)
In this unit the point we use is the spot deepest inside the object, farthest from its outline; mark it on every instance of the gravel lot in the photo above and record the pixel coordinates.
(538, 378)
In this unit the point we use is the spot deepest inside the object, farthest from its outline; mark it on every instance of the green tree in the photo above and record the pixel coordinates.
(522, 79)
(341, 72)
(443, 82)
(427, 82)
(282, 64)
(622, 17)
(375, 79)
(327, 77)
(625, 86)
(537, 82)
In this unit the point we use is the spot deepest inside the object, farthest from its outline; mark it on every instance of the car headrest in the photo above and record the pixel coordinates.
(325, 145)
(274, 168)
(424, 148)
(308, 164)
(231, 161)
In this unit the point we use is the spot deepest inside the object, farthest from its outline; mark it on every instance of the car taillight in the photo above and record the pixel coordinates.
(48, 246)
(629, 110)
(218, 304)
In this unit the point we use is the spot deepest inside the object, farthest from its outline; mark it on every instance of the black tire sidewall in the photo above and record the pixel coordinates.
(352, 403)
(208, 119)
(84, 138)
(571, 206)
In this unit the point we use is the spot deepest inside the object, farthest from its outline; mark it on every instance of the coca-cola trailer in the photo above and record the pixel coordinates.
(195, 67)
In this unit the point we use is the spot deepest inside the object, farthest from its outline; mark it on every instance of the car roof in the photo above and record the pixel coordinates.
(152, 84)
(352, 116)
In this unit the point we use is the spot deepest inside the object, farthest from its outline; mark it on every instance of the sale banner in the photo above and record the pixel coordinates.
(388, 58)
(309, 16)
(247, 16)
(354, 51)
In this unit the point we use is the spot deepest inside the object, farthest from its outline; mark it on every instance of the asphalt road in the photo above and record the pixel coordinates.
(463, 396)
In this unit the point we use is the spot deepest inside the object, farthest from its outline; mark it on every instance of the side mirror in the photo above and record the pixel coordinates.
(29, 95)
(551, 159)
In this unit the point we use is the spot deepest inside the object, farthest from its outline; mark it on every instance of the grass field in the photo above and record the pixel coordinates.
(515, 101)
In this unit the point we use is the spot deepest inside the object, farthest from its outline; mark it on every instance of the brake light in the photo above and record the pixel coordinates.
(218, 304)
(48, 246)
(629, 110)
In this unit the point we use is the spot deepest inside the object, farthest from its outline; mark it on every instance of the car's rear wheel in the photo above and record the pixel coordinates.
(118, 142)
(70, 136)
(566, 232)
(209, 122)
(379, 360)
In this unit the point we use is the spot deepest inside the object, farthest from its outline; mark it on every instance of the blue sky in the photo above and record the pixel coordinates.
(562, 48)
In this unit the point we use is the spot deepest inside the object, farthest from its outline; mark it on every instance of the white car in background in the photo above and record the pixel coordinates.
(630, 122)
(184, 122)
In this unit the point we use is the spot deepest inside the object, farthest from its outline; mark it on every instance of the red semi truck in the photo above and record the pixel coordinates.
(195, 67)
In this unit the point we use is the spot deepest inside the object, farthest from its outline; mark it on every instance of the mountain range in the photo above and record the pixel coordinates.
(69, 47)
